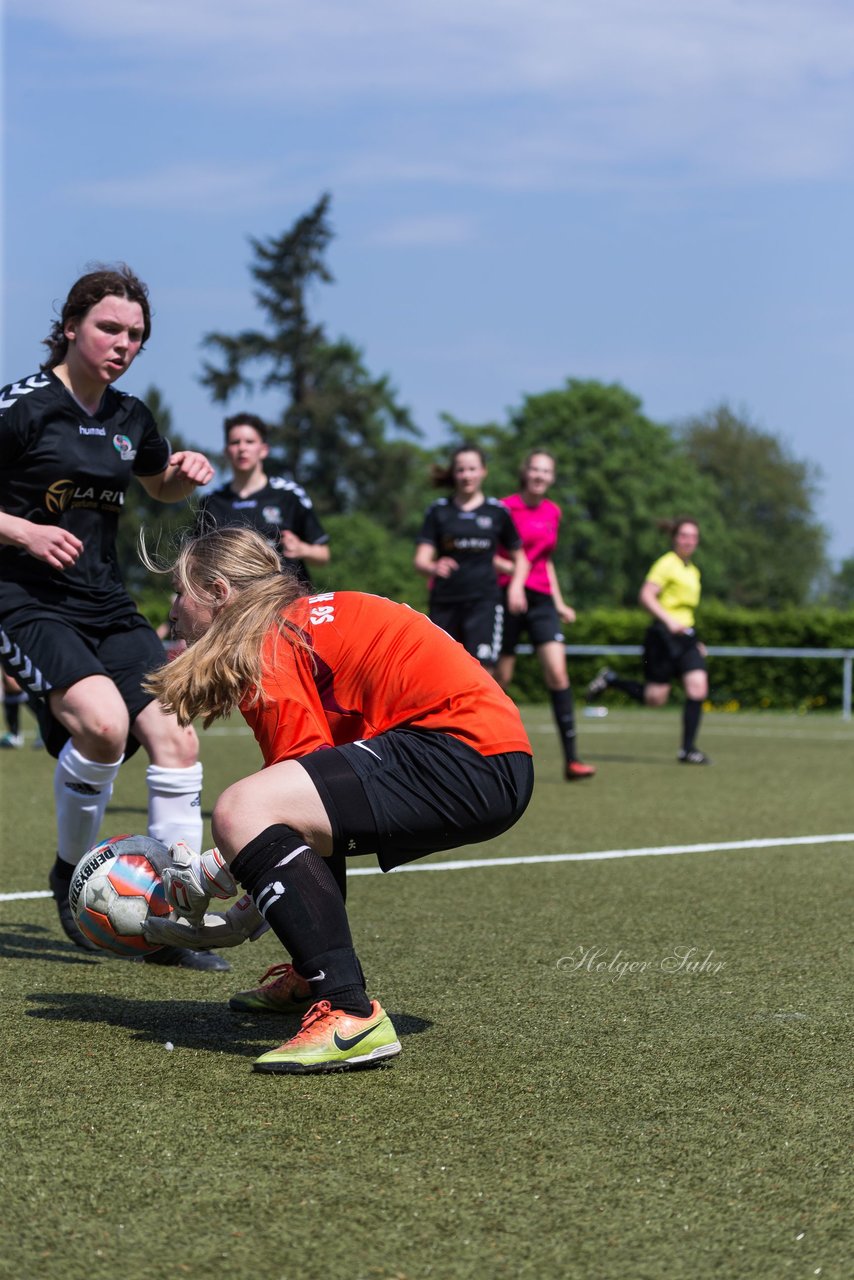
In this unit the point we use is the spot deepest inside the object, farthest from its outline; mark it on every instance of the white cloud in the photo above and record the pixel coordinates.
(438, 230)
(521, 93)
(179, 186)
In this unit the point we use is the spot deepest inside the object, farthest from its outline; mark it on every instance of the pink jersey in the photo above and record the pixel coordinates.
(538, 528)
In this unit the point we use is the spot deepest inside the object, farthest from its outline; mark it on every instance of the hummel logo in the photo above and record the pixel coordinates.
(350, 1042)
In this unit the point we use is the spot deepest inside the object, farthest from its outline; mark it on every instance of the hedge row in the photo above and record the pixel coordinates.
(803, 684)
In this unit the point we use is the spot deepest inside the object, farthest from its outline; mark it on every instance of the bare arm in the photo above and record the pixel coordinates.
(517, 601)
(649, 593)
(564, 611)
(48, 542)
(311, 552)
(432, 566)
(184, 473)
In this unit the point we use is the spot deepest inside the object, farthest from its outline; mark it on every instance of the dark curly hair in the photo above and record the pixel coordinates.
(101, 282)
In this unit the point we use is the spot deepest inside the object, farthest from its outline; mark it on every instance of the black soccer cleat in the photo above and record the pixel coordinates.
(600, 683)
(182, 958)
(59, 888)
(693, 756)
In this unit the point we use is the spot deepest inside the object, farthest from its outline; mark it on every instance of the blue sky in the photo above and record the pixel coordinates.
(657, 194)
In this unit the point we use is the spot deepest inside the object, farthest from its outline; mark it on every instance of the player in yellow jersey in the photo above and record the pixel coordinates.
(671, 593)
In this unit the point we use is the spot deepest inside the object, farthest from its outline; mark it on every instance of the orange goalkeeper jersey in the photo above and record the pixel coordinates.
(373, 665)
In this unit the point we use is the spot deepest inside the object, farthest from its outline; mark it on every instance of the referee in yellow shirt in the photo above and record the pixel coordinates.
(671, 593)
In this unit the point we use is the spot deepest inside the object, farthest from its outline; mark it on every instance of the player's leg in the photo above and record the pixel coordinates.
(13, 699)
(512, 632)
(696, 684)
(483, 631)
(273, 829)
(92, 713)
(547, 637)
(173, 777)
(656, 695)
(174, 774)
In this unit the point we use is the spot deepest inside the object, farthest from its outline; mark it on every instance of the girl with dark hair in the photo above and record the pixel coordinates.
(537, 519)
(279, 509)
(670, 593)
(69, 633)
(379, 735)
(456, 546)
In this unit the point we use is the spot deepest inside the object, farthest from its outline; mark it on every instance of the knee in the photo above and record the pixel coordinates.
(227, 828)
(174, 747)
(103, 737)
(656, 697)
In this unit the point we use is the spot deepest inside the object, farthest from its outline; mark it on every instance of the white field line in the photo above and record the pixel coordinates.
(598, 855)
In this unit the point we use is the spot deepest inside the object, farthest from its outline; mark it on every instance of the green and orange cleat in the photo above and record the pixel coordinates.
(332, 1040)
(287, 993)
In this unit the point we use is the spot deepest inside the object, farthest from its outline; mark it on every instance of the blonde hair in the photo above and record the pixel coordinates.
(223, 667)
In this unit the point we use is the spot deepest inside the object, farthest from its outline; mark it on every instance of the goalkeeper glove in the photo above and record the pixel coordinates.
(193, 879)
(240, 923)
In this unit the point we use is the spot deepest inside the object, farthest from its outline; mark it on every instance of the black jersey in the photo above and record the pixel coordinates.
(281, 504)
(471, 538)
(60, 465)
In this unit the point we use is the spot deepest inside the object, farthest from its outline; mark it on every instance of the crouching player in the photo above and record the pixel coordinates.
(379, 733)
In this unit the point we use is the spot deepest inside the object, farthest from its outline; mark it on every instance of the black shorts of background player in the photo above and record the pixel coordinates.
(537, 519)
(280, 510)
(456, 546)
(672, 649)
(69, 633)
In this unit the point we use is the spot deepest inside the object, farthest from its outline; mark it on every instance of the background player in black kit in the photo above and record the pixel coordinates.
(278, 509)
(69, 633)
(456, 546)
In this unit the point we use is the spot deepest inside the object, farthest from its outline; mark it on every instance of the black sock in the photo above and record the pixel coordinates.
(298, 895)
(337, 864)
(63, 871)
(634, 688)
(691, 714)
(12, 711)
(563, 709)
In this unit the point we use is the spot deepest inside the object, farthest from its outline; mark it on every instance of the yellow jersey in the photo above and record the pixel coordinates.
(679, 586)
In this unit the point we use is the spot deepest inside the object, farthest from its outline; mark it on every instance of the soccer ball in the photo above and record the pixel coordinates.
(115, 887)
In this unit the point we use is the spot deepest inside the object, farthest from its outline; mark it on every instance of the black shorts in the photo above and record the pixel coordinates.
(477, 624)
(666, 656)
(410, 792)
(45, 651)
(541, 622)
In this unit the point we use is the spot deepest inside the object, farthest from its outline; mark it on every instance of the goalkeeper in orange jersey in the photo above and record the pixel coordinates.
(379, 734)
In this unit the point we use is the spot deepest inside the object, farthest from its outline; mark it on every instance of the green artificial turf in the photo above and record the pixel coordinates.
(632, 1067)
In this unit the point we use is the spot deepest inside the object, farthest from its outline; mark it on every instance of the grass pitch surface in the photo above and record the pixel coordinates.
(628, 1067)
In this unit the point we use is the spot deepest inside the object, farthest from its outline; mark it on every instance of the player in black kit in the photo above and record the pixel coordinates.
(456, 546)
(278, 509)
(69, 633)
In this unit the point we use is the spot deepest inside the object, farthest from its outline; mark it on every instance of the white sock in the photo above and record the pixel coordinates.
(175, 804)
(82, 790)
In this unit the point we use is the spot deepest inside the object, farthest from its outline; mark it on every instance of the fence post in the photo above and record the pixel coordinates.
(846, 687)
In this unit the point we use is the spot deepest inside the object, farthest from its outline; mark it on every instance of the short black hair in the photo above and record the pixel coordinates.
(246, 420)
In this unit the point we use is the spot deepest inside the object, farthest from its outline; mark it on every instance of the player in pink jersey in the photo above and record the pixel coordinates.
(538, 519)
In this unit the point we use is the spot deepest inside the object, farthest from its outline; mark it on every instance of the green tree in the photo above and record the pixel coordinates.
(341, 432)
(776, 547)
(619, 474)
(368, 557)
(838, 590)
